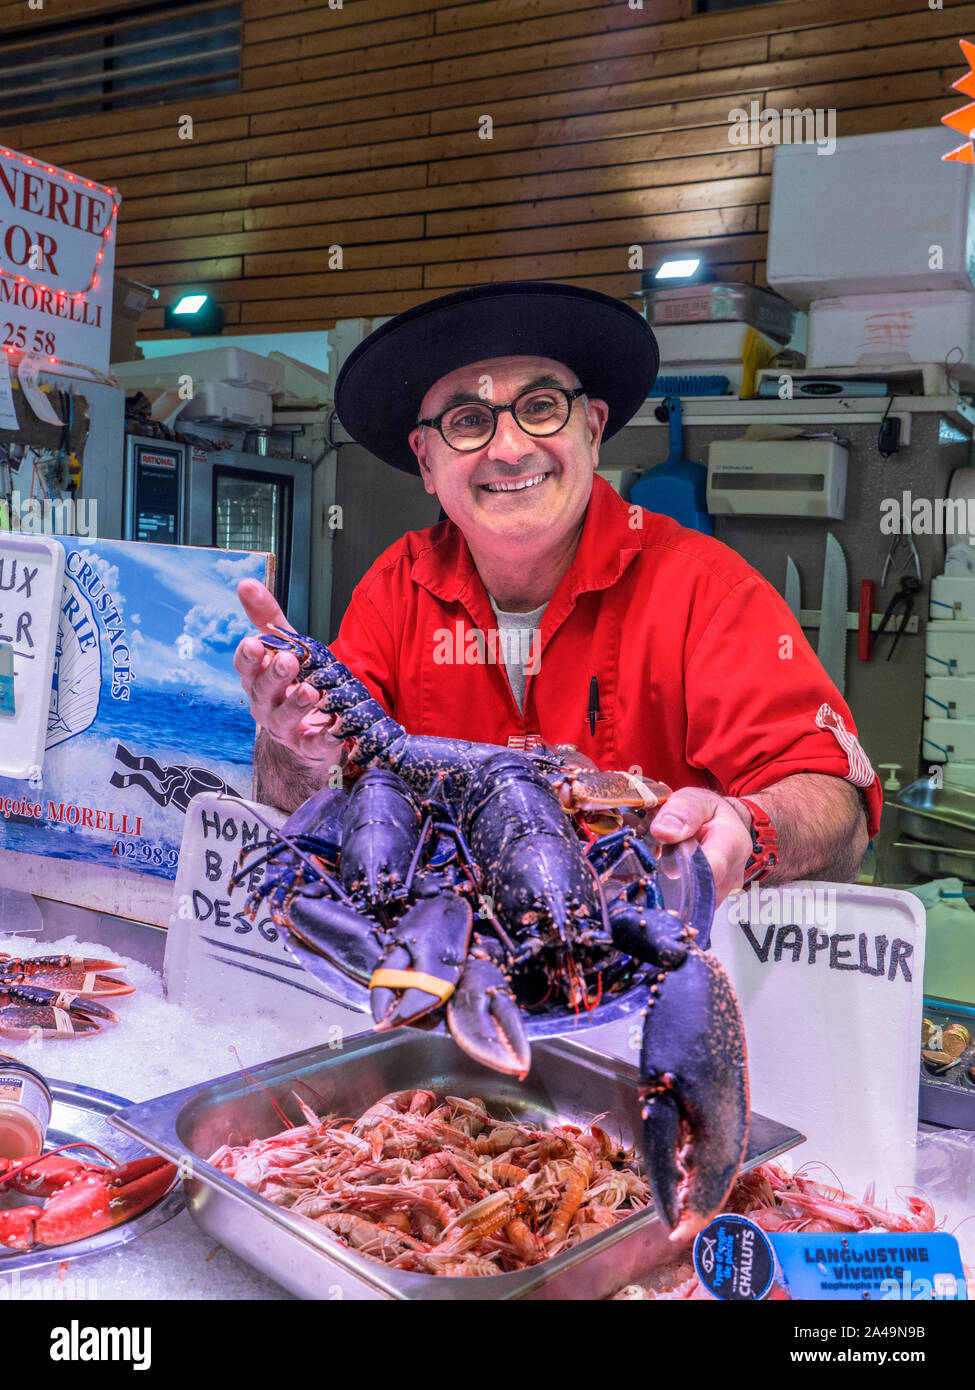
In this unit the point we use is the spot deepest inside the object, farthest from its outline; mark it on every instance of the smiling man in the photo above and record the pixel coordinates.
(653, 647)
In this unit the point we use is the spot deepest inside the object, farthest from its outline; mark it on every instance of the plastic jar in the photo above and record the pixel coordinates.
(25, 1109)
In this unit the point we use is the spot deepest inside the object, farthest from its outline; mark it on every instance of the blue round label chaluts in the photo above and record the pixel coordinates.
(734, 1259)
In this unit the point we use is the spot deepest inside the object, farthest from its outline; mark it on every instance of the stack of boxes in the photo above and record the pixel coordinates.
(878, 239)
(949, 685)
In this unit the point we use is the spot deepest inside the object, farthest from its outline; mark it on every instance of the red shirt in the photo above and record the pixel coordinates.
(704, 676)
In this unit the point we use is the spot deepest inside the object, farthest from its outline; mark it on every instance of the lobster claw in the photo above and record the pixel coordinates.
(29, 1011)
(84, 1197)
(103, 1198)
(694, 1092)
(336, 932)
(422, 967)
(77, 973)
(485, 1020)
(648, 933)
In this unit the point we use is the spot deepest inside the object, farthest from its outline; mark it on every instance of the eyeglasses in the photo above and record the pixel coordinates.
(541, 411)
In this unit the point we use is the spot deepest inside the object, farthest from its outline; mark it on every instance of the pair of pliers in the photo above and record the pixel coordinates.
(894, 548)
(908, 588)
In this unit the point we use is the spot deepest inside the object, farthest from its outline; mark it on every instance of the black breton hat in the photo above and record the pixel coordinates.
(606, 343)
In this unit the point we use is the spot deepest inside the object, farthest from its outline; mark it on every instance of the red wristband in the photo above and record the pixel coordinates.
(765, 844)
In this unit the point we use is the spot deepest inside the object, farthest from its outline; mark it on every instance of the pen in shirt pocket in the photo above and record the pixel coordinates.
(593, 704)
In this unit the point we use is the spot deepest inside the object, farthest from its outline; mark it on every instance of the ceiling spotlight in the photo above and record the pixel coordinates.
(196, 314)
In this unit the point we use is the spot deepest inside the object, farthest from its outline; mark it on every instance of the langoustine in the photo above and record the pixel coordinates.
(443, 1187)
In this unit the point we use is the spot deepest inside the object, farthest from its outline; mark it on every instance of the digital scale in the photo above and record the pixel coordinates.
(819, 386)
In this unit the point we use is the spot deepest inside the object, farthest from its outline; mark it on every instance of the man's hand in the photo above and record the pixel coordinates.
(284, 708)
(718, 826)
(820, 821)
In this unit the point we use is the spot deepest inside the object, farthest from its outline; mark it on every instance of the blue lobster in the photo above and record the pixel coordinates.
(451, 881)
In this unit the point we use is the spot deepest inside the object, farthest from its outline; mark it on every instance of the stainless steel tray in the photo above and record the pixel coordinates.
(947, 1095)
(567, 1081)
(719, 303)
(938, 861)
(79, 1114)
(943, 816)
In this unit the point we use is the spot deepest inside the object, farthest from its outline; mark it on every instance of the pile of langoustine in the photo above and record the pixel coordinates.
(441, 1186)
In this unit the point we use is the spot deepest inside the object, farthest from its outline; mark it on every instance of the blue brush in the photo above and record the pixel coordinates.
(690, 386)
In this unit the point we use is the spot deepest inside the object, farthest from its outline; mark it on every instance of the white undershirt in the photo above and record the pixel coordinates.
(520, 645)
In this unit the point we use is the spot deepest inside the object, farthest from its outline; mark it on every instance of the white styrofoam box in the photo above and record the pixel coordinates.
(233, 365)
(620, 479)
(951, 739)
(865, 217)
(959, 774)
(301, 382)
(960, 516)
(232, 405)
(950, 697)
(924, 326)
(952, 599)
(703, 342)
(950, 647)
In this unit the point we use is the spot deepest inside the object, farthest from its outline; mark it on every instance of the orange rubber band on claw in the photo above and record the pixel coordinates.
(411, 979)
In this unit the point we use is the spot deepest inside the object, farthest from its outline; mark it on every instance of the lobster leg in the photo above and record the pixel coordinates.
(28, 1011)
(424, 964)
(485, 1019)
(694, 1092)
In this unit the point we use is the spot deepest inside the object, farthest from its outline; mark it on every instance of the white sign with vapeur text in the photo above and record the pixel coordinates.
(57, 261)
(829, 977)
(830, 981)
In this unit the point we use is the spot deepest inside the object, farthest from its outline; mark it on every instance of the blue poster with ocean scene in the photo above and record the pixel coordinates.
(146, 707)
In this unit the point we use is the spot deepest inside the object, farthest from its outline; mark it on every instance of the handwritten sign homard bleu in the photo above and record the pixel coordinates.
(224, 960)
(57, 261)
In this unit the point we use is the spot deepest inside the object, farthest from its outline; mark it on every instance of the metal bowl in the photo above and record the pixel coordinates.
(943, 816)
(568, 1083)
(938, 860)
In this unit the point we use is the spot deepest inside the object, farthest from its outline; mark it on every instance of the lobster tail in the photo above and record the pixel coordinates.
(380, 833)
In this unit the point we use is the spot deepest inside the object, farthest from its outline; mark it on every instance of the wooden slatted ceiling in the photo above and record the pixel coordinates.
(358, 127)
